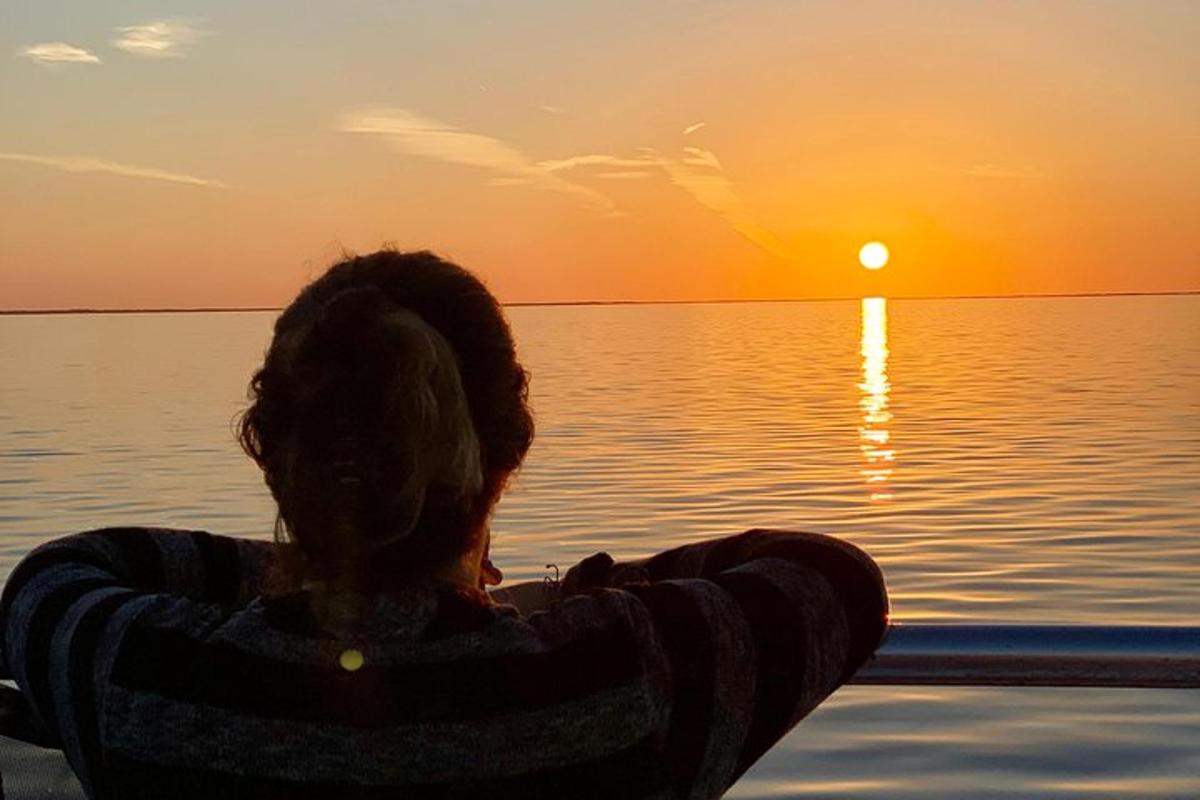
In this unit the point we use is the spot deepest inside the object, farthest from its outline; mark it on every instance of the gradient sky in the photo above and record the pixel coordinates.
(222, 153)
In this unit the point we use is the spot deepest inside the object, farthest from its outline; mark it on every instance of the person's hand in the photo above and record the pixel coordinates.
(599, 571)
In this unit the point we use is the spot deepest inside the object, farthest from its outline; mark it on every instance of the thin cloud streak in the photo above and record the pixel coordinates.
(699, 173)
(593, 160)
(632, 174)
(690, 129)
(710, 188)
(418, 135)
(87, 164)
(698, 157)
(58, 53)
(158, 38)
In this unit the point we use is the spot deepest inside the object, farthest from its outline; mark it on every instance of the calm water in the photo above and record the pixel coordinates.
(1004, 460)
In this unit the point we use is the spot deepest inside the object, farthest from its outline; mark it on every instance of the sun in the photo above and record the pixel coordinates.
(873, 255)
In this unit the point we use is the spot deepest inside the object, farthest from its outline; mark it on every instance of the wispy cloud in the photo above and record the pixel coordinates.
(158, 38)
(58, 53)
(694, 170)
(690, 129)
(698, 157)
(701, 176)
(593, 160)
(87, 164)
(418, 135)
(628, 175)
(998, 172)
(556, 110)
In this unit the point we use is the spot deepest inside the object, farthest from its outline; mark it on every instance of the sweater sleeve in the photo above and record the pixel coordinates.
(757, 629)
(853, 577)
(67, 604)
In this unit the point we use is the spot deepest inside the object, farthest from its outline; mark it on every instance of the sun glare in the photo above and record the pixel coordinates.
(873, 255)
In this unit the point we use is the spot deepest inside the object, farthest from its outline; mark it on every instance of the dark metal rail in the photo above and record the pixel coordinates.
(1036, 655)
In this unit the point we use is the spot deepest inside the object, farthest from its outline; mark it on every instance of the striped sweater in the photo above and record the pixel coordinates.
(154, 660)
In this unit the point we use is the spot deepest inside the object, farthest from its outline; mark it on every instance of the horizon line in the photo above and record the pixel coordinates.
(539, 303)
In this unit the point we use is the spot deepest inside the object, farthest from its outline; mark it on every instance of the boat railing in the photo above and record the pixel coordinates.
(1110, 656)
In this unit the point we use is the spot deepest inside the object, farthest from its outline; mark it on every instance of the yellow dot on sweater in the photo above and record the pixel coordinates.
(351, 660)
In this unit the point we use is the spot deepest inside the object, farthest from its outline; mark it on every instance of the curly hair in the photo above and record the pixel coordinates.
(387, 417)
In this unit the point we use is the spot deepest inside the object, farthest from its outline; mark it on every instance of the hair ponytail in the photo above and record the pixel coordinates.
(366, 425)
(395, 386)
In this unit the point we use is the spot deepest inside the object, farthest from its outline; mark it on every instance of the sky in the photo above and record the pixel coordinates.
(222, 154)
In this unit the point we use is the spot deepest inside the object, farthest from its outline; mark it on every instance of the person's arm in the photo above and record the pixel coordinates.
(854, 577)
(758, 629)
(528, 597)
(189, 563)
(65, 607)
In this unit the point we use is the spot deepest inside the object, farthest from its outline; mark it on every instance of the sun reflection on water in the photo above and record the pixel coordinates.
(874, 438)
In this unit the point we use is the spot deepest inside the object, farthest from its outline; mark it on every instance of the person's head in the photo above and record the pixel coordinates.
(387, 417)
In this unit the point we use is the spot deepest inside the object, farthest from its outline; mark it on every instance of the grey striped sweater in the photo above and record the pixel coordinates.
(156, 661)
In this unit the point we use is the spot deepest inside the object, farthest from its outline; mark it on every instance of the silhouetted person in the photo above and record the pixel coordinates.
(359, 656)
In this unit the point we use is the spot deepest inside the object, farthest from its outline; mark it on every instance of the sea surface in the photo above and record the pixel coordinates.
(1006, 460)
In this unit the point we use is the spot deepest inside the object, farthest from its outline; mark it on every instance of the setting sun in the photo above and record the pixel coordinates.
(873, 255)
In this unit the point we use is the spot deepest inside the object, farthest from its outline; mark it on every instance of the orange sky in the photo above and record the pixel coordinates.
(599, 151)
